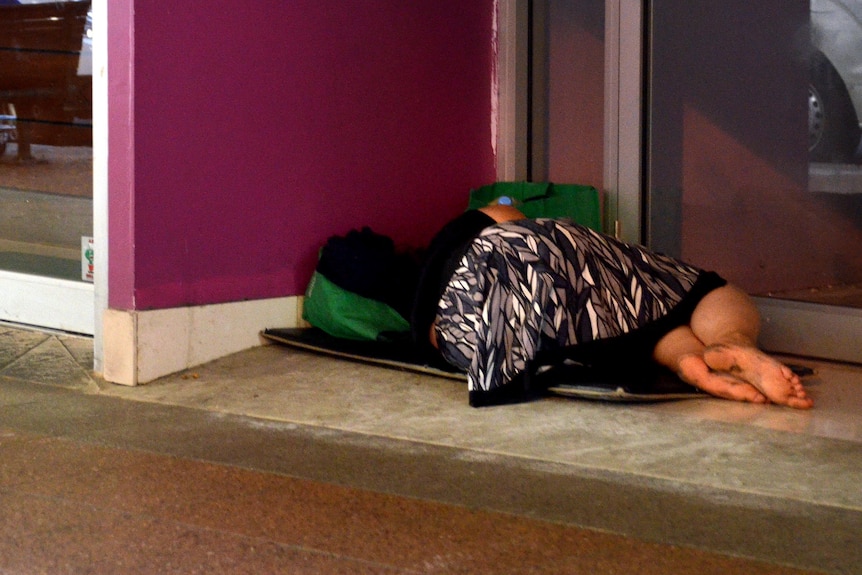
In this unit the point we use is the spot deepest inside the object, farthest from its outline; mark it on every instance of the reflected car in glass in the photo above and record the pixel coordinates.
(835, 87)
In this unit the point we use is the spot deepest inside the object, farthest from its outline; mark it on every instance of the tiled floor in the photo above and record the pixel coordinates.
(277, 461)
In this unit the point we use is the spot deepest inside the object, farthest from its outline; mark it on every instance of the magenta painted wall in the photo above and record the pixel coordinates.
(261, 128)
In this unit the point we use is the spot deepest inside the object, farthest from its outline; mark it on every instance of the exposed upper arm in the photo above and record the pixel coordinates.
(502, 213)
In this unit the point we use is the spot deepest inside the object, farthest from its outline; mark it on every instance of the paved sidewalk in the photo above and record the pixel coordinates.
(275, 461)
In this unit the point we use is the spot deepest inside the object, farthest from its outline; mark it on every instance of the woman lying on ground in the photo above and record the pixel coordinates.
(502, 295)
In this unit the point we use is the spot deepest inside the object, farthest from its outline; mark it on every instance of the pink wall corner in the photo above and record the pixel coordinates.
(262, 128)
(121, 164)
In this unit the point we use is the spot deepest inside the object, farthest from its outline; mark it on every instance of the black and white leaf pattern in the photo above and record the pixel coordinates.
(529, 285)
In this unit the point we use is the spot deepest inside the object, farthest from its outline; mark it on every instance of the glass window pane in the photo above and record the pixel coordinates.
(753, 143)
(46, 176)
(568, 96)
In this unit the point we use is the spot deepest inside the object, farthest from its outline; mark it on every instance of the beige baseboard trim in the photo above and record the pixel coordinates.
(141, 346)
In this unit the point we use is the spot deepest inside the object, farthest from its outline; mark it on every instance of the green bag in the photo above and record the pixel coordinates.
(362, 287)
(342, 313)
(544, 200)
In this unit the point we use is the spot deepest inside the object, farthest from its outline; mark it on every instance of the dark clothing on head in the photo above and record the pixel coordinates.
(444, 252)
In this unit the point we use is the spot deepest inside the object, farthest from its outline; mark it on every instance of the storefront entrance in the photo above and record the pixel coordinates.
(727, 135)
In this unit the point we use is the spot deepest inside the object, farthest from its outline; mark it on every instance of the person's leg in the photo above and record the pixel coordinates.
(726, 315)
(726, 323)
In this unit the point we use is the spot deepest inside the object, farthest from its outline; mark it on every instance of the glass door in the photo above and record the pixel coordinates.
(585, 102)
(727, 134)
(46, 166)
(753, 158)
(568, 91)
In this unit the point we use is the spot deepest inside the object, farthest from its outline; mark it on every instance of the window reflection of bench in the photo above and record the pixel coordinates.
(40, 45)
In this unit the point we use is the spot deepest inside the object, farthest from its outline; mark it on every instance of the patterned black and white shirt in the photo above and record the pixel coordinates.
(529, 287)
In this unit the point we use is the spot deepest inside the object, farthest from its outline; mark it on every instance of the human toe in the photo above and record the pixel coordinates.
(800, 402)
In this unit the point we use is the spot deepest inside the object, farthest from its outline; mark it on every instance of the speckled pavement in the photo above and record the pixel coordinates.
(279, 461)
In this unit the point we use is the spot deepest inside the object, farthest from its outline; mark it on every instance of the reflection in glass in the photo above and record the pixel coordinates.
(568, 91)
(740, 182)
(834, 114)
(45, 136)
(835, 89)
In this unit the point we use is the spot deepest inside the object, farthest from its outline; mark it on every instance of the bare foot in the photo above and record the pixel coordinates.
(693, 370)
(773, 379)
